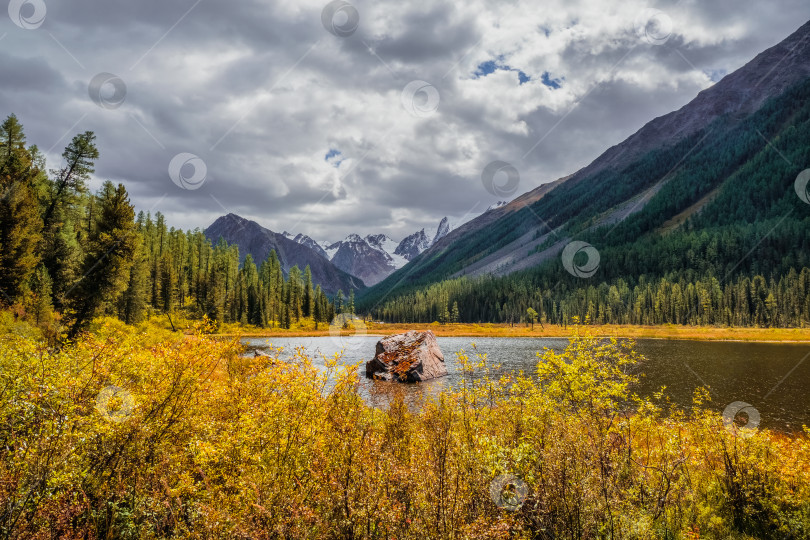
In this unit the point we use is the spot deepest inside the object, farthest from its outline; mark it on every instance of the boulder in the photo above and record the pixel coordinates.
(410, 357)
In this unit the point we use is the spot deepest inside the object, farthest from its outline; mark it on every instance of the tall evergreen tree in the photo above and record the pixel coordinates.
(41, 290)
(80, 157)
(112, 243)
(20, 223)
(135, 301)
(308, 299)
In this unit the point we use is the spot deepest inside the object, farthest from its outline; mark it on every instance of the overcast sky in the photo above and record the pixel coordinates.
(368, 117)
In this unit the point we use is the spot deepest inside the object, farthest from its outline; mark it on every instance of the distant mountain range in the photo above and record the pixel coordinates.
(368, 259)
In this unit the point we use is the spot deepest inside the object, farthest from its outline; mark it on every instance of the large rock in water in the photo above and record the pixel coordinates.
(410, 357)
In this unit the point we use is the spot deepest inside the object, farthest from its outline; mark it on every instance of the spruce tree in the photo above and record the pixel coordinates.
(135, 300)
(112, 242)
(308, 300)
(20, 223)
(41, 290)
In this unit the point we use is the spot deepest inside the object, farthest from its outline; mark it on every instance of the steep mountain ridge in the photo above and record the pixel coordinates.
(738, 94)
(629, 191)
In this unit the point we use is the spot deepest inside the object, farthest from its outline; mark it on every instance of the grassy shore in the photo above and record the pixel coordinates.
(670, 331)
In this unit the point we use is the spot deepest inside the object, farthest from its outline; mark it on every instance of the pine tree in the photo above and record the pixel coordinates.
(168, 283)
(112, 242)
(531, 316)
(295, 287)
(317, 313)
(339, 301)
(80, 156)
(41, 290)
(309, 299)
(444, 314)
(64, 232)
(12, 139)
(20, 223)
(134, 301)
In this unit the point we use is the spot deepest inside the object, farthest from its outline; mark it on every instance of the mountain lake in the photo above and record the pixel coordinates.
(774, 378)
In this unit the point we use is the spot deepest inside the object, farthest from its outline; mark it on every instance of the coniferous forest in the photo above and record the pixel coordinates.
(72, 255)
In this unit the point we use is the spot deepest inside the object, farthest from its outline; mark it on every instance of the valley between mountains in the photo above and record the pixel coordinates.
(697, 218)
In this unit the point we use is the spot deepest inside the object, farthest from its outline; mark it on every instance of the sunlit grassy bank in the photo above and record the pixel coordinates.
(147, 434)
(667, 331)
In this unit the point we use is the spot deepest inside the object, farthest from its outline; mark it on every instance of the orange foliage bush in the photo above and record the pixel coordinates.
(133, 434)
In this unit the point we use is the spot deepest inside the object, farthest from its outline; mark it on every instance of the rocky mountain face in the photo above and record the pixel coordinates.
(258, 241)
(357, 257)
(670, 169)
(305, 240)
(735, 96)
(376, 256)
(441, 231)
(413, 245)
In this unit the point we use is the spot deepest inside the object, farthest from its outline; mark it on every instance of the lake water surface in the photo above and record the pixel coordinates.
(772, 377)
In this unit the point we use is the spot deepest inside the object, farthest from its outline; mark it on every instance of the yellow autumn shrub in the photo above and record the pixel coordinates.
(144, 433)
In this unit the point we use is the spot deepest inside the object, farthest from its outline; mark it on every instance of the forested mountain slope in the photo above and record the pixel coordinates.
(702, 198)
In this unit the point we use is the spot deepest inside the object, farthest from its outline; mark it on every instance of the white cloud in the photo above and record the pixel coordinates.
(261, 92)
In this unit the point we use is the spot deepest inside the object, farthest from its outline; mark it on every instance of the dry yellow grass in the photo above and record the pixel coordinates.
(709, 333)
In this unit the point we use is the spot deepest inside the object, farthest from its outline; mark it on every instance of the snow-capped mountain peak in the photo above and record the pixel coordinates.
(305, 240)
(353, 238)
(388, 246)
(377, 240)
(376, 256)
(413, 245)
(442, 230)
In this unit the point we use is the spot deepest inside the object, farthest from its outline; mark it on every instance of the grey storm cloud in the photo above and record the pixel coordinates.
(262, 93)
